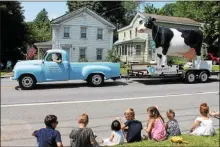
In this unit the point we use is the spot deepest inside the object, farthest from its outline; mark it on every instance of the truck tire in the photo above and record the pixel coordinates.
(27, 82)
(190, 77)
(203, 77)
(96, 80)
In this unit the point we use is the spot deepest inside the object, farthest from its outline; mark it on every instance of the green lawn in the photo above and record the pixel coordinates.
(193, 141)
(215, 67)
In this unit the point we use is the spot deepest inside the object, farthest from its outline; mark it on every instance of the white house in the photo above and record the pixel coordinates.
(82, 33)
(135, 47)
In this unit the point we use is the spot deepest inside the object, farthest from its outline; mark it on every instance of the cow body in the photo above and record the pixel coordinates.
(173, 42)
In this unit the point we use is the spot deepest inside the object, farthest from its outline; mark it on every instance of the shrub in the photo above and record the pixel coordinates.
(83, 60)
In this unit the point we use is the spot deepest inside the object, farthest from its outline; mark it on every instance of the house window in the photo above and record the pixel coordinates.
(99, 53)
(130, 34)
(135, 32)
(99, 34)
(66, 32)
(138, 49)
(82, 53)
(126, 49)
(124, 35)
(83, 32)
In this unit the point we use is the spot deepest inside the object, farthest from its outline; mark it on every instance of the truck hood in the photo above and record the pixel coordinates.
(29, 62)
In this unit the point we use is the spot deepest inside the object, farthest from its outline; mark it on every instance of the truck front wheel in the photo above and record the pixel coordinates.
(96, 79)
(27, 82)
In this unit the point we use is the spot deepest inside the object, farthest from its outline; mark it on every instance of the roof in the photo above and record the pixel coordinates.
(165, 19)
(79, 11)
(171, 19)
(135, 40)
(44, 43)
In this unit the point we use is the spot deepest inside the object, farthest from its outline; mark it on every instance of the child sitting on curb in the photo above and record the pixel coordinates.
(172, 125)
(203, 124)
(83, 136)
(48, 136)
(155, 129)
(116, 137)
(133, 133)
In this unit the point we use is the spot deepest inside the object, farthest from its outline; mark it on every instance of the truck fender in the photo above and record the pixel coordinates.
(87, 70)
(36, 72)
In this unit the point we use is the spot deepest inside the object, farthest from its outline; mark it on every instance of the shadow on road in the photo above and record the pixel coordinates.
(169, 81)
(72, 85)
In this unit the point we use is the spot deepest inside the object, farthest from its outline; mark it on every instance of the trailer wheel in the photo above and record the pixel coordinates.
(27, 82)
(96, 80)
(190, 77)
(203, 77)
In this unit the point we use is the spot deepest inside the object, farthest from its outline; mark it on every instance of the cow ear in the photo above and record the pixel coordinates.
(153, 19)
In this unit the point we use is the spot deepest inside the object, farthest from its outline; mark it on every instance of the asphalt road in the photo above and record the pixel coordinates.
(23, 111)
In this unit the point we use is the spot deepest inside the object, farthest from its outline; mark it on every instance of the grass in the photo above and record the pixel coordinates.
(193, 141)
(3, 73)
(215, 67)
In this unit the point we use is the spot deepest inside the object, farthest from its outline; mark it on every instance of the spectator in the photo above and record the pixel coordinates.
(58, 58)
(134, 128)
(126, 114)
(83, 136)
(156, 129)
(116, 137)
(48, 137)
(172, 126)
(203, 124)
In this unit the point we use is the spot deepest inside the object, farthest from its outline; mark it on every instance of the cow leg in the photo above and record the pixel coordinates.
(164, 56)
(159, 56)
(198, 56)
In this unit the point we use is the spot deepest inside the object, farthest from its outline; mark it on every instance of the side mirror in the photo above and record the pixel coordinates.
(42, 61)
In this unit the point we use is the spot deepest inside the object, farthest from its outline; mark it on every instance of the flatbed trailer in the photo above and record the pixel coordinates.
(190, 75)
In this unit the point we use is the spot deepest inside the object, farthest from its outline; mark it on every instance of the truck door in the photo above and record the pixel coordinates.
(53, 70)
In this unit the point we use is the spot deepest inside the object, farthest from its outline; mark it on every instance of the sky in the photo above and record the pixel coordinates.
(55, 9)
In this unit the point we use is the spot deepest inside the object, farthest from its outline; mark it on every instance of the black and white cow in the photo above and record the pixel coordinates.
(173, 41)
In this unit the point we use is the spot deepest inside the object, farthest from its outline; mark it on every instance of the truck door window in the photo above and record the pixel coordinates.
(56, 57)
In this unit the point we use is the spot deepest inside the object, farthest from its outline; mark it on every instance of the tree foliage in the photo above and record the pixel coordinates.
(112, 56)
(14, 32)
(40, 29)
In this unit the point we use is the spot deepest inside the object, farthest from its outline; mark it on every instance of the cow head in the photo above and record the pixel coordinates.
(147, 23)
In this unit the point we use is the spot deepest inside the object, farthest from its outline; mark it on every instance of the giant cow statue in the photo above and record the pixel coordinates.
(173, 41)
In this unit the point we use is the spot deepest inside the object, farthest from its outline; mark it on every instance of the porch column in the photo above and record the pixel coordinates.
(55, 37)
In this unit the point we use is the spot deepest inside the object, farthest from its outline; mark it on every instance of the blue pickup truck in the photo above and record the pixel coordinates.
(29, 73)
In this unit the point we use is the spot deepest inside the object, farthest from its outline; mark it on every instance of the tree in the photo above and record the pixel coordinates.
(150, 9)
(112, 56)
(14, 32)
(40, 29)
(167, 9)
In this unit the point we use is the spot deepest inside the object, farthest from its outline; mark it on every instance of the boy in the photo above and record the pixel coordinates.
(83, 137)
(133, 133)
(48, 137)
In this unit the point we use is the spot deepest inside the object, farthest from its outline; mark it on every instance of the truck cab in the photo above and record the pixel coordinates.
(55, 66)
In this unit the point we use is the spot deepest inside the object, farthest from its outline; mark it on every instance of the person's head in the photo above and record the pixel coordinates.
(129, 114)
(204, 109)
(154, 113)
(116, 126)
(170, 114)
(83, 119)
(51, 121)
(58, 56)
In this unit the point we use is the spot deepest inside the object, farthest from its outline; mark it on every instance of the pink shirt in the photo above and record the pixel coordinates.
(158, 131)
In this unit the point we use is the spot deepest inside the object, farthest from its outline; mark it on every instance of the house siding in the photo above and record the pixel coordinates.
(91, 42)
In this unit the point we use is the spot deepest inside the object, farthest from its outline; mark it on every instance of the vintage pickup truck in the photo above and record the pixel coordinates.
(29, 73)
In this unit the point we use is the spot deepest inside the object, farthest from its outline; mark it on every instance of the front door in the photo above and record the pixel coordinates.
(53, 70)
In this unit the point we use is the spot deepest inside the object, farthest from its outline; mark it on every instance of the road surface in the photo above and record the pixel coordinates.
(24, 111)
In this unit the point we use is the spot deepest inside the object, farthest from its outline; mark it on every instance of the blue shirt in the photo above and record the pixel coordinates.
(47, 137)
(134, 130)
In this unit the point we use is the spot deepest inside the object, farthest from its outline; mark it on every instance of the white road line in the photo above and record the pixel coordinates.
(107, 100)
